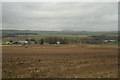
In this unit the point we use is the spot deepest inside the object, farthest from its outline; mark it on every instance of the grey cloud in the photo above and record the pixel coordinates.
(60, 16)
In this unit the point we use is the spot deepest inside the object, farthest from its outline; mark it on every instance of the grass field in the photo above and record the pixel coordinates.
(59, 61)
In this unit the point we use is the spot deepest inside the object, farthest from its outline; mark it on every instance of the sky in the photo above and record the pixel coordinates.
(58, 16)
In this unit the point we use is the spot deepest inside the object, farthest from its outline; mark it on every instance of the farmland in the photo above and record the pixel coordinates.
(63, 61)
(80, 55)
(60, 40)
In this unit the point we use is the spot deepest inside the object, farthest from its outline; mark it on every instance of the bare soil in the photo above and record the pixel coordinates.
(59, 62)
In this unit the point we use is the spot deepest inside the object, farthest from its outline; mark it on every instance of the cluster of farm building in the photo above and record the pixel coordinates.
(21, 42)
(42, 42)
(65, 40)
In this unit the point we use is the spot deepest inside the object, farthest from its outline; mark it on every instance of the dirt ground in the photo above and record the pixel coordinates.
(59, 62)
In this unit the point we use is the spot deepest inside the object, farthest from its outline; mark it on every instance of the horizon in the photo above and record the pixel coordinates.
(58, 31)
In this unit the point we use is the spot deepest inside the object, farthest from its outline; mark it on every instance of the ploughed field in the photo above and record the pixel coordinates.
(59, 62)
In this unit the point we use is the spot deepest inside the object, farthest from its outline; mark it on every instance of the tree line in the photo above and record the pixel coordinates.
(65, 40)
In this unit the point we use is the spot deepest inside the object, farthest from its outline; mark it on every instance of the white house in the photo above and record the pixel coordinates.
(109, 41)
(58, 42)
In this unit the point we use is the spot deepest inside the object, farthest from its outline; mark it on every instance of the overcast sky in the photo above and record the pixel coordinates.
(57, 16)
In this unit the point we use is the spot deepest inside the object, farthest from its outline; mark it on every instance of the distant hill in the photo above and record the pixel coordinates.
(36, 32)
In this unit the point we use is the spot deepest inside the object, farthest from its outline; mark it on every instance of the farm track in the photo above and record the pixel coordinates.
(60, 62)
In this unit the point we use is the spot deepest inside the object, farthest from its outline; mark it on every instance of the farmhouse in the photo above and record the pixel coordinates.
(21, 42)
(58, 42)
(17, 42)
(106, 41)
(24, 42)
(32, 42)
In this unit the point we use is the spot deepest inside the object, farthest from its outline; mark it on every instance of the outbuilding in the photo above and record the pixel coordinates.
(58, 42)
